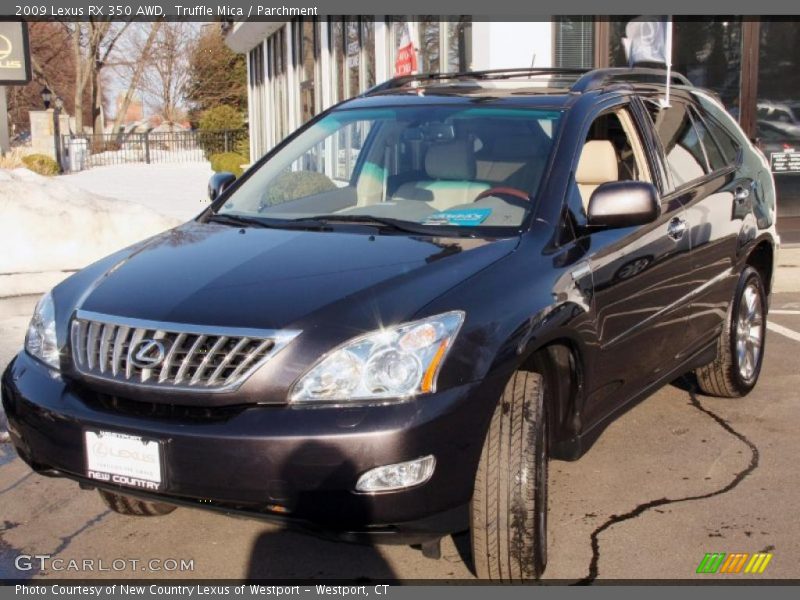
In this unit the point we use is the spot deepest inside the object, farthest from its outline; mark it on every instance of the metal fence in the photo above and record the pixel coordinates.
(99, 149)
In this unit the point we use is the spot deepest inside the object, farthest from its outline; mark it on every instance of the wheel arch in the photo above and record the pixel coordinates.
(762, 258)
(560, 362)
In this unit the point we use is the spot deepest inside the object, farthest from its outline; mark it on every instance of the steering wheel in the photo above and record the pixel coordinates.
(504, 191)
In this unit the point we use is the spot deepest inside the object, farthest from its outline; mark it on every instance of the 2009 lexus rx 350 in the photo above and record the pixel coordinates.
(390, 323)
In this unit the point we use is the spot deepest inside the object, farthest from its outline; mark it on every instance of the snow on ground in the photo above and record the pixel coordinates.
(175, 189)
(49, 226)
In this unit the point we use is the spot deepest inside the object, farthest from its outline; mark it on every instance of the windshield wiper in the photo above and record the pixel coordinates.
(325, 221)
(381, 222)
(238, 220)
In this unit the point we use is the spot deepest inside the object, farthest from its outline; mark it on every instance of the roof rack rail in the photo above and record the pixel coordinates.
(599, 78)
(487, 74)
(587, 79)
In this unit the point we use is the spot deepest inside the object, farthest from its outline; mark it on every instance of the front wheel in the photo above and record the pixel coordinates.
(509, 502)
(740, 348)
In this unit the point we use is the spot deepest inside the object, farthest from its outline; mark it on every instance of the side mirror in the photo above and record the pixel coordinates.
(623, 204)
(218, 183)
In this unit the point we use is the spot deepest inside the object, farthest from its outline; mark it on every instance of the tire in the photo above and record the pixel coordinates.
(133, 507)
(509, 502)
(736, 369)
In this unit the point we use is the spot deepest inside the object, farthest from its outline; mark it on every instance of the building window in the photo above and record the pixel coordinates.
(616, 48)
(441, 45)
(307, 52)
(574, 42)
(255, 65)
(279, 118)
(353, 47)
(459, 44)
(709, 53)
(429, 45)
(338, 59)
(368, 52)
(778, 117)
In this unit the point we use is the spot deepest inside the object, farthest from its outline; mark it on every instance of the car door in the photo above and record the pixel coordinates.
(717, 199)
(641, 276)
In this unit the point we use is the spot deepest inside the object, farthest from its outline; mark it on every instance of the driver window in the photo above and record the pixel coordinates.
(612, 152)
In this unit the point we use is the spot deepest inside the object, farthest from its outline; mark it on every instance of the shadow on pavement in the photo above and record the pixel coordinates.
(320, 472)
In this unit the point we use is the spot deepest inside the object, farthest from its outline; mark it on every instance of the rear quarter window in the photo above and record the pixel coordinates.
(731, 136)
(716, 158)
(728, 145)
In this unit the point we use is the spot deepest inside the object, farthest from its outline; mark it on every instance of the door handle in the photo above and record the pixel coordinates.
(676, 228)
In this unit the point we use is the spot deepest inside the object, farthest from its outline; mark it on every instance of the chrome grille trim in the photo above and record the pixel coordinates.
(195, 357)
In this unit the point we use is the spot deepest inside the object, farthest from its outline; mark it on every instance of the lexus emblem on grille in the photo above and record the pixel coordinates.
(147, 354)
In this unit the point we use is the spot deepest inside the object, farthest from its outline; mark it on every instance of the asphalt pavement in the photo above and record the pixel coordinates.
(678, 476)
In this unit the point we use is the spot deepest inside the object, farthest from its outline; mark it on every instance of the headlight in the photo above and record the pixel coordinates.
(40, 341)
(391, 363)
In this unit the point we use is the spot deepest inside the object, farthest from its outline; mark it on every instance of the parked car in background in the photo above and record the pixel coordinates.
(392, 345)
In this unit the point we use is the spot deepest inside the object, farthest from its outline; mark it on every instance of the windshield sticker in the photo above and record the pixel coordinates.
(467, 217)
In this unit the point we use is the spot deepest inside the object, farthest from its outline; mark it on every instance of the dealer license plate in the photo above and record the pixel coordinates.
(123, 459)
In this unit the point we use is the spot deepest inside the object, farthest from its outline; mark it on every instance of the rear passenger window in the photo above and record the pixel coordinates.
(680, 141)
(715, 158)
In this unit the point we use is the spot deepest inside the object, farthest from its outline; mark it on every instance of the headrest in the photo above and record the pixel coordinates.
(451, 160)
(598, 163)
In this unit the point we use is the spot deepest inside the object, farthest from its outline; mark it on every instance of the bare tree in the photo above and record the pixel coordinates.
(101, 57)
(164, 81)
(92, 43)
(138, 55)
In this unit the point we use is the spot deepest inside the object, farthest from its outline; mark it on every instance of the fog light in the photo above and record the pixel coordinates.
(398, 476)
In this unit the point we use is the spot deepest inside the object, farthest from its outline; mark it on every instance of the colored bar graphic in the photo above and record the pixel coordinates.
(734, 563)
(758, 563)
(711, 562)
(722, 563)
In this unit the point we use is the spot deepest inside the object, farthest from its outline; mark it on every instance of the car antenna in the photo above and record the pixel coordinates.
(668, 57)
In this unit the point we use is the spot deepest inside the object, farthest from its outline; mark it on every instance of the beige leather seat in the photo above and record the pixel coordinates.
(513, 160)
(451, 168)
(597, 165)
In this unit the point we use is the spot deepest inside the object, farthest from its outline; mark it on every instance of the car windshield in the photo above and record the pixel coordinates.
(419, 167)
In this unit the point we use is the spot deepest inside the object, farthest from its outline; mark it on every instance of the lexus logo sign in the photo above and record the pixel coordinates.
(14, 53)
(5, 47)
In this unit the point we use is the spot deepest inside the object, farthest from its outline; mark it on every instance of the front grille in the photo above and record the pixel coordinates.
(170, 355)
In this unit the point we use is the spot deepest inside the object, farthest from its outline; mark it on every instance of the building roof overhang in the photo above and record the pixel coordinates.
(245, 35)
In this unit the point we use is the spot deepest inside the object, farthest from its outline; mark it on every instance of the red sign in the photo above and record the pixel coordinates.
(406, 61)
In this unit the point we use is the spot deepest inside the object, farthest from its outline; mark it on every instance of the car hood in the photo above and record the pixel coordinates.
(214, 274)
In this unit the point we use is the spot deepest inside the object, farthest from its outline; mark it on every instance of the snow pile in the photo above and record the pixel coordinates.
(179, 190)
(48, 227)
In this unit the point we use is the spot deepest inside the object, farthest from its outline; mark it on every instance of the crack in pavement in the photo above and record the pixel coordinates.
(645, 506)
(67, 539)
(9, 553)
(19, 481)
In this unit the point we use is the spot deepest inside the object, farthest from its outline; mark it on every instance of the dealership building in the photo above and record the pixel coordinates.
(299, 68)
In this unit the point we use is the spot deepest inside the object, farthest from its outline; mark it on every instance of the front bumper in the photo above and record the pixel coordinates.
(251, 459)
